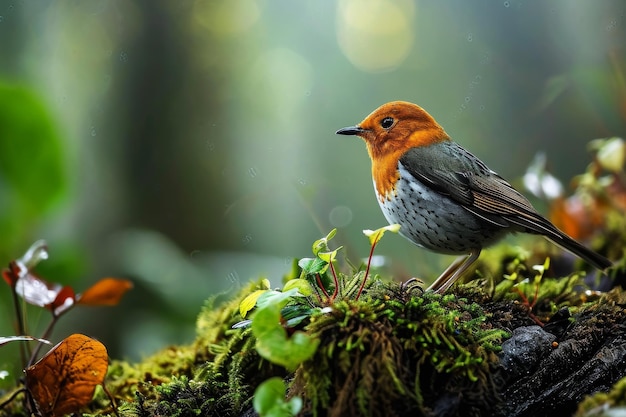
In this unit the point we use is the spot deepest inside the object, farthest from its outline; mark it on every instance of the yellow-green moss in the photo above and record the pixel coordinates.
(379, 356)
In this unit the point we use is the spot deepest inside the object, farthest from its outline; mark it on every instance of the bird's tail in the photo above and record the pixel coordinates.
(566, 242)
(533, 222)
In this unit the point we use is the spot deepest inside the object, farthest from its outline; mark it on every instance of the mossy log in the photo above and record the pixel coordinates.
(400, 352)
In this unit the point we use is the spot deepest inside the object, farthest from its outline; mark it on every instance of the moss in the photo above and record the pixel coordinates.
(387, 353)
(215, 375)
(390, 356)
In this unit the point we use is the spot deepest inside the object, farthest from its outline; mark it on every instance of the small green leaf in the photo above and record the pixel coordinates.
(269, 400)
(329, 257)
(375, 235)
(268, 395)
(295, 314)
(301, 285)
(294, 271)
(542, 268)
(249, 302)
(312, 266)
(272, 341)
(322, 244)
(295, 405)
(276, 297)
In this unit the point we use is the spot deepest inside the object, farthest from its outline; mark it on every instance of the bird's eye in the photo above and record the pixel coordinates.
(386, 123)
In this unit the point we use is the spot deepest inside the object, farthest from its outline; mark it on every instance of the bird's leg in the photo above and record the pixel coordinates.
(454, 272)
(445, 275)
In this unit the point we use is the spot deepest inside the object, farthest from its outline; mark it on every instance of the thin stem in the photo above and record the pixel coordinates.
(111, 398)
(319, 284)
(20, 323)
(536, 296)
(18, 313)
(367, 270)
(527, 303)
(335, 280)
(46, 335)
(522, 296)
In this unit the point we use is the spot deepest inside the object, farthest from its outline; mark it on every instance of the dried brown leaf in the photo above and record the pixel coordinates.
(64, 380)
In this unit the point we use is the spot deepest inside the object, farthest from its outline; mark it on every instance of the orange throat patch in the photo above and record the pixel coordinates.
(385, 157)
(385, 175)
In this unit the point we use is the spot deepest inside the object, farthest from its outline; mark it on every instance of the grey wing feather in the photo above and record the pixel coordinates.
(473, 185)
(454, 172)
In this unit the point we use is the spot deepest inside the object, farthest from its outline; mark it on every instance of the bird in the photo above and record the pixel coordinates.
(443, 197)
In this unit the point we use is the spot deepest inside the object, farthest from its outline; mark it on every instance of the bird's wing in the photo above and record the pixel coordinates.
(454, 172)
(496, 196)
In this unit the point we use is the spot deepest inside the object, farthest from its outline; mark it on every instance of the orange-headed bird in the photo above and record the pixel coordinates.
(443, 197)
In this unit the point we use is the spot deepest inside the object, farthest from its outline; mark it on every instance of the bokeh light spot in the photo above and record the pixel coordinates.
(340, 216)
(226, 17)
(375, 35)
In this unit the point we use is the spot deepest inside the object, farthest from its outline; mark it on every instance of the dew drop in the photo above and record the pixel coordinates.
(468, 99)
(507, 4)
(253, 172)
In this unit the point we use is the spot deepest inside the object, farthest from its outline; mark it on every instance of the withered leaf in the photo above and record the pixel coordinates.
(64, 380)
(64, 300)
(37, 252)
(106, 292)
(37, 291)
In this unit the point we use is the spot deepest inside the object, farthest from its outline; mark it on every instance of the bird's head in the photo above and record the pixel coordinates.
(396, 127)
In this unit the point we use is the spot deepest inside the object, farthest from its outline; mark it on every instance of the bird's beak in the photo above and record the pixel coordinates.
(350, 130)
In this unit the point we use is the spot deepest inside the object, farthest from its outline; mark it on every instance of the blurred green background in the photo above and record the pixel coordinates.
(189, 145)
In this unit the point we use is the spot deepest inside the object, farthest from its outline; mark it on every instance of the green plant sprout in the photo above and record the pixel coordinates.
(269, 400)
(277, 310)
(374, 237)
